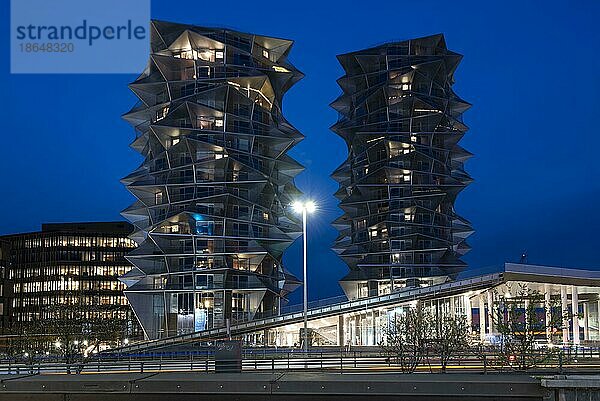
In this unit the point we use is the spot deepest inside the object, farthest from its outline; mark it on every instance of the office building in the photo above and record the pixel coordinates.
(70, 271)
(6, 289)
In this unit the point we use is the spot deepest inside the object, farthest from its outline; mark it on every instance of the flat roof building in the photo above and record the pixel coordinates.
(70, 271)
(6, 287)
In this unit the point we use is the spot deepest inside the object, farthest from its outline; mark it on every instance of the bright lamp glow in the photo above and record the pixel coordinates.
(299, 207)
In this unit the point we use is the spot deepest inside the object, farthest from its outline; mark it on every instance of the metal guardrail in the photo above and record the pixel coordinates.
(405, 295)
(584, 358)
(314, 304)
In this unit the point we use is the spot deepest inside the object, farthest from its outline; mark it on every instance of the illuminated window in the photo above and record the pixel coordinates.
(219, 55)
(205, 227)
(241, 264)
(204, 122)
(277, 68)
(363, 290)
(160, 114)
(206, 55)
(265, 53)
(219, 122)
(188, 54)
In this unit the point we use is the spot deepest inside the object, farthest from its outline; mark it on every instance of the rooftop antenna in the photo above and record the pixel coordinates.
(523, 257)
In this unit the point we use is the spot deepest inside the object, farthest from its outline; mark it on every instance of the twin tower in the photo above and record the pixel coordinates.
(213, 214)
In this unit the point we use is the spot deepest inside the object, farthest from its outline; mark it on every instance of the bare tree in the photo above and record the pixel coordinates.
(111, 330)
(452, 337)
(26, 342)
(522, 328)
(67, 332)
(66, 325)
(405, 338)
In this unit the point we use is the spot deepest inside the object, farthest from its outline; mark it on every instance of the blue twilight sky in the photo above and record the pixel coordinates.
(531, 71)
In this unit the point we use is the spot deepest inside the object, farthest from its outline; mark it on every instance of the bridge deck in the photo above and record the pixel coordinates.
(282, 386)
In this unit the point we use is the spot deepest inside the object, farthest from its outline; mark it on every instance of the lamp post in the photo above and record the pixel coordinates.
(304, 208)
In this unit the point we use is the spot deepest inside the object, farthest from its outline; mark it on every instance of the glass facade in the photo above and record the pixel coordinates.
(578, 304)
(402, 123)
(211, 214)
(74, 268)
(6, 290)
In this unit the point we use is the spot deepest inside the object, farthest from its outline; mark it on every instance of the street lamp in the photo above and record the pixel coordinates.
(304, 208)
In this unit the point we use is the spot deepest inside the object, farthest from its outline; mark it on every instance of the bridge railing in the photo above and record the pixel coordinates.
(314, 304)
(294, 359)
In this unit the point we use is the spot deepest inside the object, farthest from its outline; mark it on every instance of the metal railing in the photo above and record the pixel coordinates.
(290, 309)
(584, 358)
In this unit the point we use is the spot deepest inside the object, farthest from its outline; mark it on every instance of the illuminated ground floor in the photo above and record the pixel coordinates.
(574, 294)
(569, 296)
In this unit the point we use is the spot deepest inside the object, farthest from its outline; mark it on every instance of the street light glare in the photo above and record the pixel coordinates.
(299, 207)
(304, 208)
